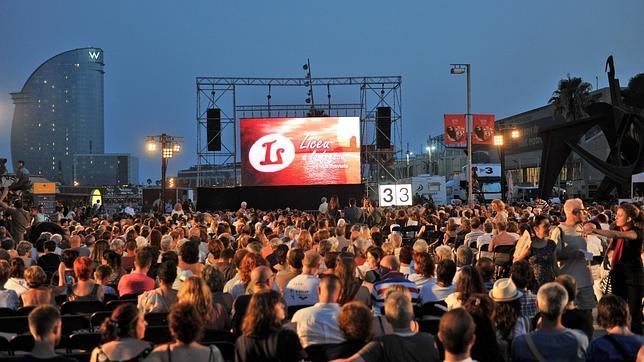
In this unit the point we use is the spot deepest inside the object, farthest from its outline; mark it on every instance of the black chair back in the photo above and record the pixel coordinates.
(83, 342)
(73, 323)
(210, 336)
(158, 335)
(227, 350)
(294, 308)
(24, 311)
(81, 307)
(109, 297)
(429, 326)
(22, 342)
(15, 325)
(111, 305)
(315, 353)
(156, 319)
(134, 296)
(7, 312)
(434, 309)
(97, 319)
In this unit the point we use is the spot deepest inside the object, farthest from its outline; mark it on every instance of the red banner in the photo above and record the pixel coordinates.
(455, 127)
(300, 151)
(483, 126)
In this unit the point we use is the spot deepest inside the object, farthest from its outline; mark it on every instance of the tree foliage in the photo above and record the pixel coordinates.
(571, 98)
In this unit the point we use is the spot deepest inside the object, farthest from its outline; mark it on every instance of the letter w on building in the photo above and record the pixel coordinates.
(94, 55)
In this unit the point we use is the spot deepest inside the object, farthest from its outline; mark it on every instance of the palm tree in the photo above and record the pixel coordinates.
(635, 91)
(571, 98)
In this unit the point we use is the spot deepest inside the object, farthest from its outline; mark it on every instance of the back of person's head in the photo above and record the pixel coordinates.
(83, 268)
(260, 277)
(354, 321)
(49, 246)
(185, 323)
(420, 246)
(170, 256)
(469, 282)
(17, 268)
(144, 257)
(68, 257)
(464, 255)
(456, 331)
(194, 290)
(521, 274)
(612, 311)
(485, 266)
(445, 271)
(488, 227)
(390, 262)
(330, 286)
(406, 254)
(295, 258)
(189, 252)
(121, 324)
(261, 316)
(330, 259)
(444, 252)
(5, 269)
(475, 222)
(239, 256)
(502, 225)
(102, 272)
(552, 299)
(311, 260)
(44, 321)
(570, 284)
(214, 278)
(424, 264)
(35, 277)
(167, 272)
(398, 310)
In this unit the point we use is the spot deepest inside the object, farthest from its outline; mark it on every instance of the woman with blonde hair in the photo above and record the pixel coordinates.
(499, 207)
(196, 292)
(304, 240)
(39, 290)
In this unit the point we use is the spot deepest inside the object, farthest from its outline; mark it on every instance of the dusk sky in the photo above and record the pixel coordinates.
(519, 50)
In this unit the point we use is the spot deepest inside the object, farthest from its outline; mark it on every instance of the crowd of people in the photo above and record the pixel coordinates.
(494, 282)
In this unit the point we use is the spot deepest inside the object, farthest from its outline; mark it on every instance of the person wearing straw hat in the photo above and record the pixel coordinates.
(551, 341)
(510, 323)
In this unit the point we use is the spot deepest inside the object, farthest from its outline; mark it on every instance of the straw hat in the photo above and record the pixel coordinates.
(504, 290)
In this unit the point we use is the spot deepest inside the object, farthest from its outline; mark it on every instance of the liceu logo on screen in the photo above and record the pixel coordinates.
(271, 153)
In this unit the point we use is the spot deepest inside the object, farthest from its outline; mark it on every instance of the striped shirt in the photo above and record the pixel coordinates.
(379, 291)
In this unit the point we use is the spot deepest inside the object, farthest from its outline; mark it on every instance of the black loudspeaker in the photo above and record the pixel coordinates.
(383, 127)
(213, 129)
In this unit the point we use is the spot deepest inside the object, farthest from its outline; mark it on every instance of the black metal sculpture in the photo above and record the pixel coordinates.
(623, 126)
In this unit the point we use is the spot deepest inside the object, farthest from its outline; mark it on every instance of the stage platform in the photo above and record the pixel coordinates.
(275, 197)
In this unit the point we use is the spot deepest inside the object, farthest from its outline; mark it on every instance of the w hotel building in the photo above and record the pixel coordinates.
(59, 113)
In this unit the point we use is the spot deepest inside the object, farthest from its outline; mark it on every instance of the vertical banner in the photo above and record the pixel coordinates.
(455, 127)
(483, 129)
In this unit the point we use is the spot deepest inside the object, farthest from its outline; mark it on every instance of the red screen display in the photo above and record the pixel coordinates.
(300, 151)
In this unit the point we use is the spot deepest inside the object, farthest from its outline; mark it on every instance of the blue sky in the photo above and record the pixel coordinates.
(155, 49)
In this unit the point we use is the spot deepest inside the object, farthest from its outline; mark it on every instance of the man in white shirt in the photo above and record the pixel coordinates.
(318, 325)
(129, 209)
(303, 289)
(485, 238)
(477, 231)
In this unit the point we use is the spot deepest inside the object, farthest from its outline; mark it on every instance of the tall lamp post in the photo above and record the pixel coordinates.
(499, 142)
(460, 69)
(430, 164)
(169, 146)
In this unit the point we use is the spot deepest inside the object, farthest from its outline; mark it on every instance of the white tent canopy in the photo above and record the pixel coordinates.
(638, 178)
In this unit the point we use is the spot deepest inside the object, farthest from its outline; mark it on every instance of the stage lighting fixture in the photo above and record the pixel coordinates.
(305, 67)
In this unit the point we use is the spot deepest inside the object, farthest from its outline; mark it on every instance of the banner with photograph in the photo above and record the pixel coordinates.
(455, 130)
(483, 126)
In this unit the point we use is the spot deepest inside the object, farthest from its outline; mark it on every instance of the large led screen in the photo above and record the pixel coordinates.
(300, 151)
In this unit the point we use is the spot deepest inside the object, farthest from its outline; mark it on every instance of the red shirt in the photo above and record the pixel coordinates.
(135, 283)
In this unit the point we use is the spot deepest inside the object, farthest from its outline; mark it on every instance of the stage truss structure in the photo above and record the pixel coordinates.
(377, 164)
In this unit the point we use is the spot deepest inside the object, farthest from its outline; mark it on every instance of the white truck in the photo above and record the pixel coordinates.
(428, 185)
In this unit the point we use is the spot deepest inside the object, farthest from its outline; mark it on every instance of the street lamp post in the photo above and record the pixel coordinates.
(169, 146)
(460, 69)
(499, 141)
